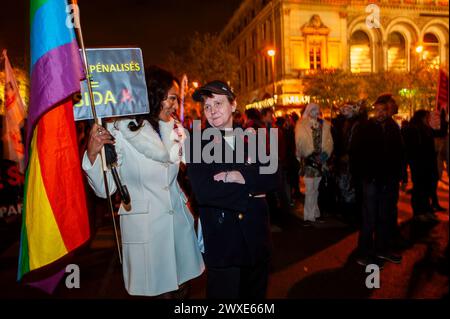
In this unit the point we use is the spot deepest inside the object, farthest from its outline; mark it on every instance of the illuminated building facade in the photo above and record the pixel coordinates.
(329, 34)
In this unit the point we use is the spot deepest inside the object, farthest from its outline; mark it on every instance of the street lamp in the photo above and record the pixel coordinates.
(421, 52)
(271, 53)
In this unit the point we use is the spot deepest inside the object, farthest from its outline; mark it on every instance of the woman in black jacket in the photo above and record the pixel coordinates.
(230, 191)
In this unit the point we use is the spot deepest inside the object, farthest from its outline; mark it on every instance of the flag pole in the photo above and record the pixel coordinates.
(184, 87)
(98, 120)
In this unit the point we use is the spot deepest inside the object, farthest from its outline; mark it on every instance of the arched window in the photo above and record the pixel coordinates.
(431, 49)
(360, 57)
(396, 52)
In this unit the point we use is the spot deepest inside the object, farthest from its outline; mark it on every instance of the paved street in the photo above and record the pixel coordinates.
(308, 262)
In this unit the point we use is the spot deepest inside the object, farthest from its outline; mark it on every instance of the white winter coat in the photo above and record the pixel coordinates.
(159, 245)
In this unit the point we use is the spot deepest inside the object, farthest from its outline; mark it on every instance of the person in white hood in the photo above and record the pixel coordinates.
(314, 145)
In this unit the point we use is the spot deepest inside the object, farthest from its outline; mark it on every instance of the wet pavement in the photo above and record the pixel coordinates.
(308, 262)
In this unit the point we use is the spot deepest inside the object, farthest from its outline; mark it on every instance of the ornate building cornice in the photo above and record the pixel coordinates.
(315, 26)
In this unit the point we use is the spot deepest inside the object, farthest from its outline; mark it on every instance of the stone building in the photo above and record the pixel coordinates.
(354, 35)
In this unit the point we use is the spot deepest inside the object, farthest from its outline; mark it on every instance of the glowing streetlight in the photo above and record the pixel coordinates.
(421, 52)
(271, 53)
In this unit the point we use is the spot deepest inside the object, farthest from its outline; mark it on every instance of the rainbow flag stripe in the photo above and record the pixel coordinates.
(54, 218)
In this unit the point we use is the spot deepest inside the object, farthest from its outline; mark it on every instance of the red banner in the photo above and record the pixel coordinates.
(442, 94)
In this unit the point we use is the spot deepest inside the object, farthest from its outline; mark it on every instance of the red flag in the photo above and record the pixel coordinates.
(442, 94)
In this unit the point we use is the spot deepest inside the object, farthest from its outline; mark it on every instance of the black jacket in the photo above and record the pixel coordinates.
(377, 152)
(421, 153)
(235, 225)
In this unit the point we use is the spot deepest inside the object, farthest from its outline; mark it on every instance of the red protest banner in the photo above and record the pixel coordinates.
(442, 94)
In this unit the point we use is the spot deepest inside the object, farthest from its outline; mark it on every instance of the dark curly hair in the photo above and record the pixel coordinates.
(159, 82)
(418, 118)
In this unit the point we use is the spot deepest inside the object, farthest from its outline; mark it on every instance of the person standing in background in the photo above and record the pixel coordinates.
(440, 143)
(314, 145)
(377, 154)
(422, 161)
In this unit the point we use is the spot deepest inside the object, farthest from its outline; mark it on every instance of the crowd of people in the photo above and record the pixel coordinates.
(355, 165)
(352, 166)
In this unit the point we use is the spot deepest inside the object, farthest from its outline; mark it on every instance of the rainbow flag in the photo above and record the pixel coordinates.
(54, 218)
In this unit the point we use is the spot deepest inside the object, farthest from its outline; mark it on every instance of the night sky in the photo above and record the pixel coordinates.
(153, 25)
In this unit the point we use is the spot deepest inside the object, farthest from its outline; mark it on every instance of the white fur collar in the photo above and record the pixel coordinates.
(145, 140)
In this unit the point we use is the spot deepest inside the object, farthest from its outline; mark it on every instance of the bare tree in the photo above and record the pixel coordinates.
(413, 90)
(204, 58)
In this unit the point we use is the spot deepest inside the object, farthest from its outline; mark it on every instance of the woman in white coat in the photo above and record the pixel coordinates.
(159, 245)
(314, 145)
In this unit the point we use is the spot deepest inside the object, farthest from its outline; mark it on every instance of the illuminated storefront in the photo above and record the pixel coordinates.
(284, 103)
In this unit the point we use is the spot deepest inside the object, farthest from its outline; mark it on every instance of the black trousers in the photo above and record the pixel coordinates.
(395, 229)
(434, 195)
(237, 282)
(422, 191)
(378, 212)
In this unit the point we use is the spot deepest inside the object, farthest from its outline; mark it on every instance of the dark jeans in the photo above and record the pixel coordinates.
(434, 196)
(294, 180)
(378, 212)
(394, 220)
(278, 200)
(237, 282)
(422, 192)
(284, 192)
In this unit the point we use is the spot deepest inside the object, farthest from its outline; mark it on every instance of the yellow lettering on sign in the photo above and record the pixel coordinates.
(109, 68)
(109, 97)
(99, 99)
